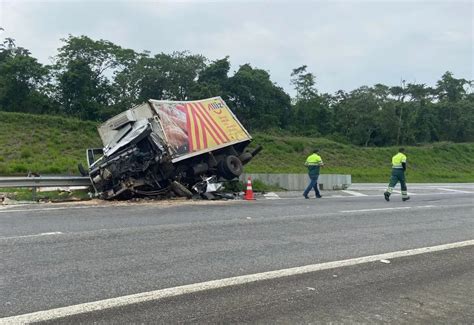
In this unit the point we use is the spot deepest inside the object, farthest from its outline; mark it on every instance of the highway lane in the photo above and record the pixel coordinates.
(55, 256)
(425, 289)
(35, 219)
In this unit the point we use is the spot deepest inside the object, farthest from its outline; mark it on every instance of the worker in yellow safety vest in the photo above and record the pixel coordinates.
(313, 162)
(399, 166)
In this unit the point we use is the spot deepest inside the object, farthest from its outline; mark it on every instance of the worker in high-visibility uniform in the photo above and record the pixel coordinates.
(399, 166)
(313, 162)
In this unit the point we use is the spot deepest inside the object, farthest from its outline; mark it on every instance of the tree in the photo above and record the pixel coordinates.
(83, 70)
(357, 116)
(101, 56)
(450, 88)
(22, 80)
(419, 124)
(400, 93)
(304, 83)
(163, 76)
(213, 80)
(312, 111)
(81, 93)
(182, 73)
(453, 106)
(257, 101)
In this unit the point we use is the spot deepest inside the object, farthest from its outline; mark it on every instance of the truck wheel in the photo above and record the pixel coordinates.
(180, 190)
(231, 167)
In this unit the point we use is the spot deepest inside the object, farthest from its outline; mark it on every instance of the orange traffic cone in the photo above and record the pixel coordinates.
(249, 193)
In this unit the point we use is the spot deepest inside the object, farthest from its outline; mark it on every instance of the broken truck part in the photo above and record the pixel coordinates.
(160, 147)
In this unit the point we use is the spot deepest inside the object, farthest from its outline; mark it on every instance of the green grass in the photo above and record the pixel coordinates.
(44, 144)
(438, 162)
(25, 194)
(55, 145)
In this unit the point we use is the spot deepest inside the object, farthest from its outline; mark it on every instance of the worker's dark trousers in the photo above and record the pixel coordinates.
(398, 175)
(313, 184)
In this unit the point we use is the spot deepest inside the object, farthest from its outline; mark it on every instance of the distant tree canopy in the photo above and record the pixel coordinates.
(94, 80)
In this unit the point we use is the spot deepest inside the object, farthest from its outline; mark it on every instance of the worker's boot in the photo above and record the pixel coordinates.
(405, 198)
(387, 196)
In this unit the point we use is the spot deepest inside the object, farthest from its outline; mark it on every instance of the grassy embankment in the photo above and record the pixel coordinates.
(43, 144)
(438, 162)
(55, 145)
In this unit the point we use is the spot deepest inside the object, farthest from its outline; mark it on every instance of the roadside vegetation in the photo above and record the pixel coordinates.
(27, 195)
(55, 145)
(49, 113)
(94, 80)
(436, 162)
(44, 144)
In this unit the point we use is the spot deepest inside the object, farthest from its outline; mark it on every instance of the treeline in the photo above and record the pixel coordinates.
(94, 80)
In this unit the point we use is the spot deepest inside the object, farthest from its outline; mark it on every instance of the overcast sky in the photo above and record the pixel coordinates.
(346, 44)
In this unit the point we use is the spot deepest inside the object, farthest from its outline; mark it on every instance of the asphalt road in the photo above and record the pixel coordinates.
(62, 255)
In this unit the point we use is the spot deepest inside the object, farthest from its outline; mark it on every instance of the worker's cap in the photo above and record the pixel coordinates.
(401, 150)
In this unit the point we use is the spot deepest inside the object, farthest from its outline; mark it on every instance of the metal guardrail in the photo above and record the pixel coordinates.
(44, 181)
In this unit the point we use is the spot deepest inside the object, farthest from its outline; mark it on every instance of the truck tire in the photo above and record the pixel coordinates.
(181, 190)
(231, 167)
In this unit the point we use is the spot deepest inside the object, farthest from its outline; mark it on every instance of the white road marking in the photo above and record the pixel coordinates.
(451, 190)
(48, 209)
(47, 315)
(365, 196)
(378, 188)
(354, 193)
(379, 209)
(36, 235)
(418, 186)
(395, 208)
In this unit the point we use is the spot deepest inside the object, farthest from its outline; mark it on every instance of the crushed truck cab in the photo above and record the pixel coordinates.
(163, 146)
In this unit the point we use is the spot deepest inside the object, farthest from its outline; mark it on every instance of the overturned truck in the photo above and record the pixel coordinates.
(162, 147)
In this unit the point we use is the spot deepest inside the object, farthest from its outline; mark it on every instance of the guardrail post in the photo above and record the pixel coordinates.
(33, 193)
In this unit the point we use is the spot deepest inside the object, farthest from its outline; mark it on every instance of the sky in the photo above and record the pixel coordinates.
(345, 44)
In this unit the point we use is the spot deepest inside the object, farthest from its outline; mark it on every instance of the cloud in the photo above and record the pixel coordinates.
(346, 44)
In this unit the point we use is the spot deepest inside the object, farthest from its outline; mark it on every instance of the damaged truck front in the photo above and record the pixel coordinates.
(160, 147)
